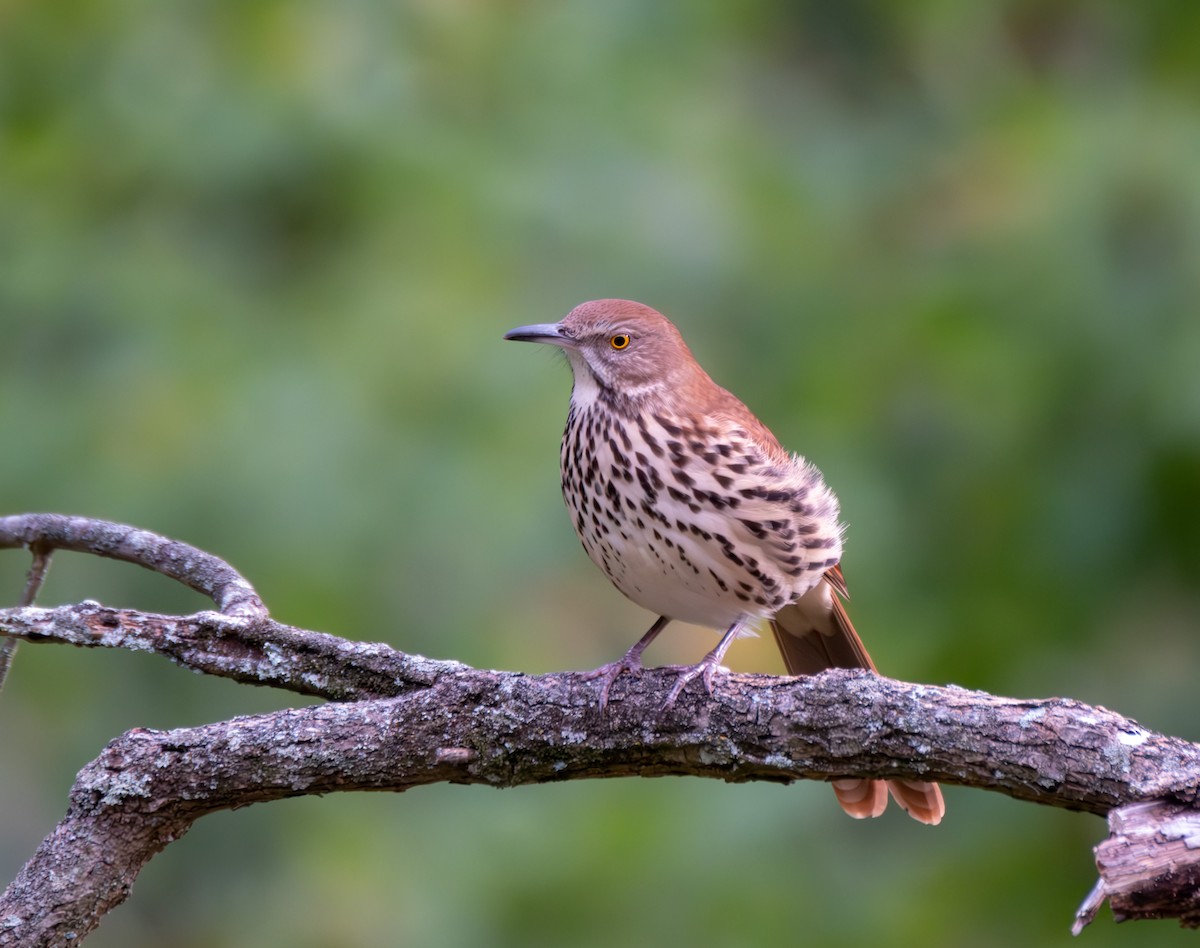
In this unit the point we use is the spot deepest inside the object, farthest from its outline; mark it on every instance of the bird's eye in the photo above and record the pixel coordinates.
(619, 341)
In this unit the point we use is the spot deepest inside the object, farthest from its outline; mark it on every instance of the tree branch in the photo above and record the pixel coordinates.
(400, 720)
(253, 651)
(201, 571)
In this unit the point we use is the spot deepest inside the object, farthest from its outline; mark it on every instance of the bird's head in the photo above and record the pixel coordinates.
(621, 346)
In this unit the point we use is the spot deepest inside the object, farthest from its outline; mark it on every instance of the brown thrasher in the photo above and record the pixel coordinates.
(695, 512)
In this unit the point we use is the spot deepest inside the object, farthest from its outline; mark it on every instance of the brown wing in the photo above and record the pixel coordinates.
(815, 633)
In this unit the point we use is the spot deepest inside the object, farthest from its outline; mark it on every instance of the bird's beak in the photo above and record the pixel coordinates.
(541, 332)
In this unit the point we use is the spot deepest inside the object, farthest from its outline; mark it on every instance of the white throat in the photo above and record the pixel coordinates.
(585, 391)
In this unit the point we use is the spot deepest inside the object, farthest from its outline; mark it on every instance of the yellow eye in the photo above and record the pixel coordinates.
(619, 341)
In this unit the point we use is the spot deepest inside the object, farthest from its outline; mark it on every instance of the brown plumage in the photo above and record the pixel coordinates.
(695, 511)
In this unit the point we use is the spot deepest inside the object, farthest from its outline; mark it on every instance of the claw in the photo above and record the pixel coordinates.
(706, 669)
(611, 672)
(630, 662)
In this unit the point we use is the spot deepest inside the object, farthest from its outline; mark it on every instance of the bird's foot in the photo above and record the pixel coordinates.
(705, 670)
(631, 662)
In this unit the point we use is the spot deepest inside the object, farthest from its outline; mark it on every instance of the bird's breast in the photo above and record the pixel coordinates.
(693, 520)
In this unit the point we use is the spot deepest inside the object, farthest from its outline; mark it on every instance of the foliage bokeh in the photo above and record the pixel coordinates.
(257, 260)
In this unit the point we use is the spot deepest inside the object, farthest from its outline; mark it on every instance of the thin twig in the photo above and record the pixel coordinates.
(33, 582)
(201, 571)
(252, 651)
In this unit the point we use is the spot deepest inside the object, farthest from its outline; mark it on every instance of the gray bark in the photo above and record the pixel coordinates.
(395, 721)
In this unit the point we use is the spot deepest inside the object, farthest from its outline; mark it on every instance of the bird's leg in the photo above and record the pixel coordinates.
(706, 667)
(630, 662)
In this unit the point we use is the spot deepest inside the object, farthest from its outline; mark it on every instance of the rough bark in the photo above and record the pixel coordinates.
(395, 721)
(1148, 865)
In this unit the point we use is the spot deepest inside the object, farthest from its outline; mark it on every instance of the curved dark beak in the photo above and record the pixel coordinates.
(541, 332)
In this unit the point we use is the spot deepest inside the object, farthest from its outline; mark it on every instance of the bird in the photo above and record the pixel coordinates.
(696, 512)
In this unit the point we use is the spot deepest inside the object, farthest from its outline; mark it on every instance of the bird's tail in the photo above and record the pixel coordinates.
(815, 633)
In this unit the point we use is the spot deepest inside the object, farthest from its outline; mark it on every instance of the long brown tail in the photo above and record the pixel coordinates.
(814, 633)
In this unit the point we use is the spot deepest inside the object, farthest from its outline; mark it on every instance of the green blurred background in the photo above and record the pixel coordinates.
(255, 263)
